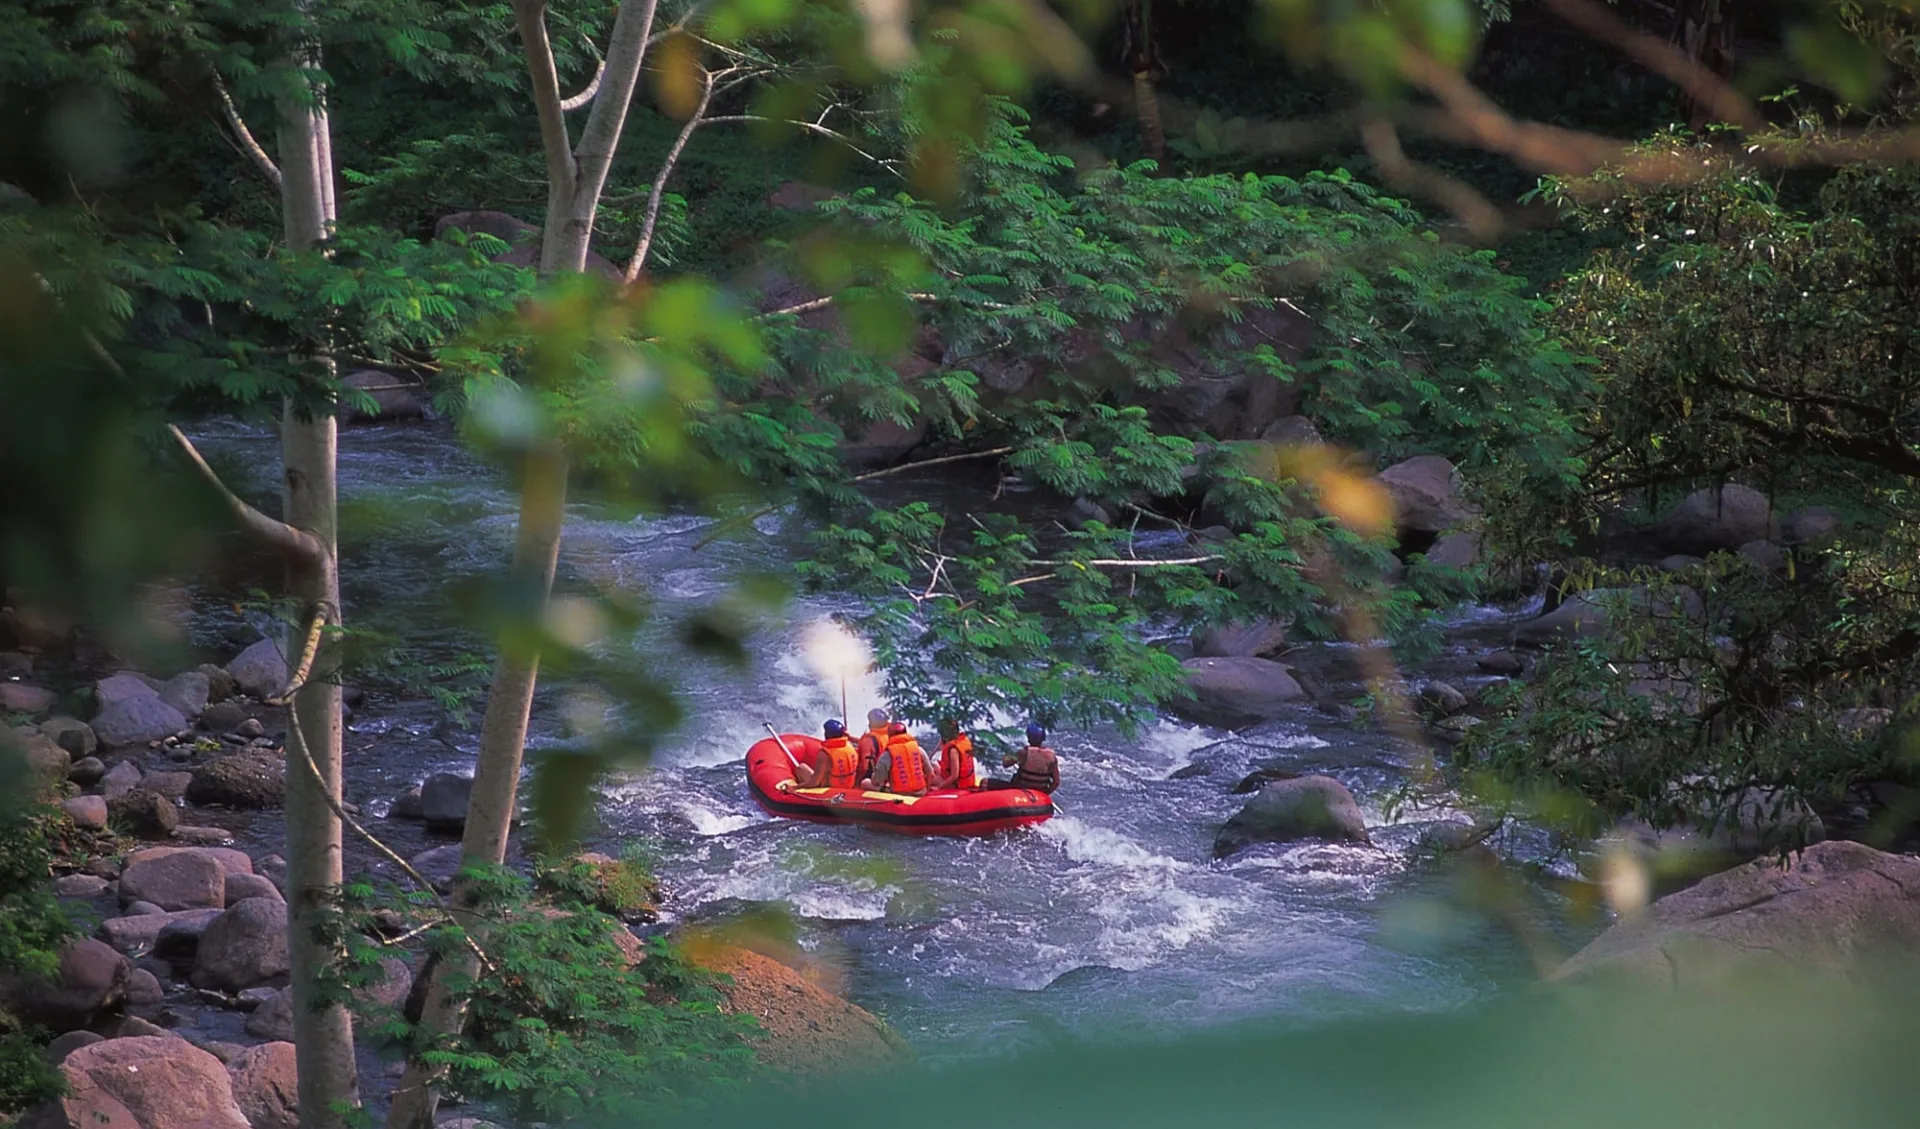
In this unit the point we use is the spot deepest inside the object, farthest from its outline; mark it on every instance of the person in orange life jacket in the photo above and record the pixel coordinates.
(1037, 767)
(873, 742)
(837, 765)
(956, 768)
(903, 768)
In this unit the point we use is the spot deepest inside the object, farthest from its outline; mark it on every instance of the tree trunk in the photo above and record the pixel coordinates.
(1704, 30)
(323, 1039)
(576, 177)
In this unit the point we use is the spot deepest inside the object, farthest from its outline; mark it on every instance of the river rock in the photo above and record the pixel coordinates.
(179, 938)
(1292, 431)
(1307, 807)
(1441, 699)
(143, 989)
(1811, 526)
(71, 734)
(275, 869)
(389, 984)
(1455, 550)
(244, 947)
(138, 933)
(1833, 906)
(174, 881)
(394, 397)
(1501, 662)
(259, 670)
(1578, 617)
(247, 780)
(1426, 494)
(406, 805)
(266, 1086)
(240, 887)
(122, 687)
(222, 717)
(81, 887)
(1723, 519)
(1261, 777)
(142, 909)
(229, 860)
(91, 980)
(144, 814)
(802, 1026)
(19, 697)
(1240, 640)
(438, 865)
(14, 664)
(87, 771)
(66, 1044)
(122, 778)
(1453, 730)
(1678, 562)
(87, 812)
(137, 721)
(188, 693)
(220, 682)
(443, 800)
(47, 763)
(1863, 721)
(273, 1019)
(172, 785)
(1233, 692)
(252, 728)
(152, 1082)
(134, 1027)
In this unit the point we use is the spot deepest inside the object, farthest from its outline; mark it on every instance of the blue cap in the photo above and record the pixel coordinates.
(1036, 735)
(834, 728)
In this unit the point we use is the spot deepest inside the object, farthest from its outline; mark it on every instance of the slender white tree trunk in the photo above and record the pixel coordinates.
(323, 1039)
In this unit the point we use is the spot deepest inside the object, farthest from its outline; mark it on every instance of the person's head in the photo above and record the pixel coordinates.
(834, 728)
(877, 718)
(897, 729)
(1036, 736)
(949, 729)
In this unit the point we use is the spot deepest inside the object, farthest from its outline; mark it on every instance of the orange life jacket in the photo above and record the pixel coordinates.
(842, 763)
(908, 774)
(872, 743)
(959, 749)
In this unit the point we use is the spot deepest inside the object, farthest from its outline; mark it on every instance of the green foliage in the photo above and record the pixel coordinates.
(32, 928)
(560, 1026)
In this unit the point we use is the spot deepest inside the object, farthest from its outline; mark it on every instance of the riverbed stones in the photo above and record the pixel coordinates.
(143, 989)
(266, 1085)
(22, 697)
(89, 981)
(47, 763)
(801, 1025)
(137, 933)
(252, 728)
(122, 687)
(145, 814)
(220, 683)
(1718, 519)
(80, 887)
(273, 1019)
(393, 397)
(1233, 692)
(230, 861)
(222, 717)
(1425, 491)
(438, 865)
(64, 1045)
(247, 780)
(87, 771)
(148, 1082)
(244, 947)
(406, 805)
(137, 721)
(122, 778)
(1442, 699)
(1307, 807)
(1578, 617)
(71, 734)
(1501, 662)
(259, 671)
(188, 693)
(175, 881)
(1257, 639)
(87, 812)
(240, 887)
(1834, 906)
(443, 800)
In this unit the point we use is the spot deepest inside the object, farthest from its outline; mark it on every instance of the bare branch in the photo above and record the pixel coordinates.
(593, 88)
(886, 163)
(304, 668)
(1135, 562)
(660, 178)
(248, 145)
(1472, 209)
(925, 463)
(280, 535)
(1662, 58)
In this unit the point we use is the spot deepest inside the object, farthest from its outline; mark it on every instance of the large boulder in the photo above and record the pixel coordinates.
(139, 933)
(1426, 494)
(91, 980)
(1834, 906)
(443, 800)
(249, 780)
(240, 887)
(802, 1026)
(266, 1086)
(438, 865)
(187, 693)
(1714, 519)
(244, 947)
(175, 881)
(1455, 550)
(122, 778)
(1305, 807)
(220, 682)
(223, 717)
(1240, 640)
(1587, 614)
(122, 687)
(273, 1020)
(1810, 526)
(259, 671)
(393, 396)
(1234, 692)
(71, 734)
(137, 721)
(47, 763)
(149, 1082)
(231, 861)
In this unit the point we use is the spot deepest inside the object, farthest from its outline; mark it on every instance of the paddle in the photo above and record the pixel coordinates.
(791, 759)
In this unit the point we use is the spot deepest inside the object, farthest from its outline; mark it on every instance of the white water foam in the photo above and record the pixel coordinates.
(1100, 846)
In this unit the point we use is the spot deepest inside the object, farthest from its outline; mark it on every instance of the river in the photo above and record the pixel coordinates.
(1112, 918)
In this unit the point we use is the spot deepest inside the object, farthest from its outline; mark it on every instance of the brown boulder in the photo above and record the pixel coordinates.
(18, 697)
(175, 881)
(1426, 494)
(1833, 907)
(801, 1023)
(266, 1086)
(244, 947)
(244, 780)
(230, 861)
(1710, 520)
(91, 980)
(154, 1082)
(394, 397)
(145, 814)
(1232, 692)
(1240, 640)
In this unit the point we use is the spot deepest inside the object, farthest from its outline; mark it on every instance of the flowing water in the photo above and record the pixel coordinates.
(1112, 918)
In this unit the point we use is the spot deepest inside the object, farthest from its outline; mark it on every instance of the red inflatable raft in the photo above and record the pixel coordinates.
(952, 812)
